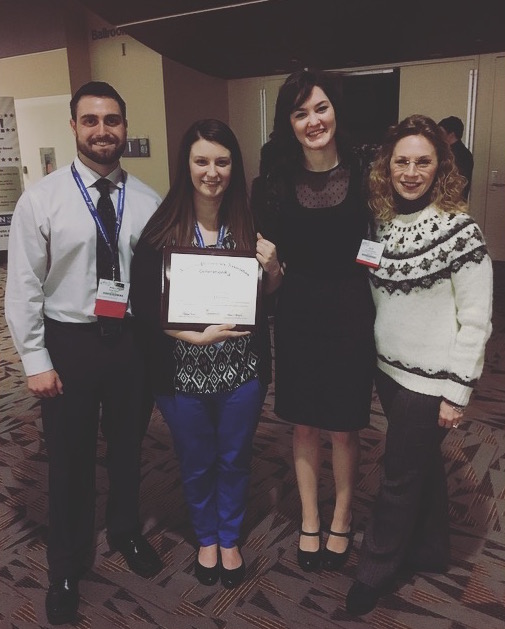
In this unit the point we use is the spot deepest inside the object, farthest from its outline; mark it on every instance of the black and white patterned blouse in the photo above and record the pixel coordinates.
(219, 367)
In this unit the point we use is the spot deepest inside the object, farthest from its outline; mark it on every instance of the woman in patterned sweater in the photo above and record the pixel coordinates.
(433, 295)
(208, 385)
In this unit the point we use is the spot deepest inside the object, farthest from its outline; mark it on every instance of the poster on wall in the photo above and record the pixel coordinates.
(10, 167)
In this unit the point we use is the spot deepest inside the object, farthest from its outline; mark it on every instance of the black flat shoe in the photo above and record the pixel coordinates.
(361, 599)
(309, 560)
(62, 601)
(334, 561)
(232, 578)
(138, 554)
(206, 576)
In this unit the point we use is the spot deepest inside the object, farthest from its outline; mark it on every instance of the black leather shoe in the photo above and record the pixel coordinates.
(138, 554)
(361, 599)
(232, 578)
(332, 560)
(206, 576)
(309, 560)
(62, 601)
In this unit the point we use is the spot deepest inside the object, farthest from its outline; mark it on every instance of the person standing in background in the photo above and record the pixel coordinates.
(453, 130)
(70, 247)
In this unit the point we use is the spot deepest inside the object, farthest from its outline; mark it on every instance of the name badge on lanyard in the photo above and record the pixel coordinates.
(112, 296)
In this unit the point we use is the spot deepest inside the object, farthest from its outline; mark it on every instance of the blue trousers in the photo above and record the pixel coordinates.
(213, 437)
(410, 519)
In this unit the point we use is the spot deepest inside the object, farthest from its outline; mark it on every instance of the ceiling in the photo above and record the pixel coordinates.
(245, 38)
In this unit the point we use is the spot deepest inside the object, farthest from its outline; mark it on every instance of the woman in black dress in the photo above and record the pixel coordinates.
(308, 201)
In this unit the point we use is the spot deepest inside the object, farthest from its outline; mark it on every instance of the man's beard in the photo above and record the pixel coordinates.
(110, 156)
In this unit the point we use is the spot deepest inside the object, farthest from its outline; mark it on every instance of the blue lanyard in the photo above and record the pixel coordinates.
(113, 247)
(199, 237)
(219, 245)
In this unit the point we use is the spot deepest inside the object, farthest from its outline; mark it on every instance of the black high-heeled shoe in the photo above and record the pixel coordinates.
(309, 560)
(334, 561)
(206, 576)
(232, 578)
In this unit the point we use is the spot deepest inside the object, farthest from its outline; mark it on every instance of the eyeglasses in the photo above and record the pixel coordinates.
(421, 164)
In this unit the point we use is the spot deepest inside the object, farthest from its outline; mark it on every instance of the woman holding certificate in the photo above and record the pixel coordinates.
(310, 204)
(209, 383)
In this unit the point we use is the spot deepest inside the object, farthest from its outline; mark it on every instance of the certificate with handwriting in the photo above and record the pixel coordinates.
(202, 287)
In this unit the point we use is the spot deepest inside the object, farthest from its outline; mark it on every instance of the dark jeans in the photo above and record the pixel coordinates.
(410, 520)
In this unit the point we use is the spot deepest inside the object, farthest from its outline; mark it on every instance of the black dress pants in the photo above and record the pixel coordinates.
(410, 519)
(102, 385)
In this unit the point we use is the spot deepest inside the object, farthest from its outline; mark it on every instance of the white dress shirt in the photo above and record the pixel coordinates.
(52, 254)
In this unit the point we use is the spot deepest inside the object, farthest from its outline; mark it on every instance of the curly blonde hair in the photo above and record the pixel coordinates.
(448, 184)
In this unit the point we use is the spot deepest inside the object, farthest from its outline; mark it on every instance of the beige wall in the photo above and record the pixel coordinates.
(40, 85)
(437, 89)
(488, 184)
(43, 122)
(245, 96)
(31, 76)
(254, 127)
(137, 77)
(163, 97)
(441, 88)
(136, 72)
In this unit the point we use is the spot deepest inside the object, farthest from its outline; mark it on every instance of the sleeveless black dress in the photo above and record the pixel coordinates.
(324, 345)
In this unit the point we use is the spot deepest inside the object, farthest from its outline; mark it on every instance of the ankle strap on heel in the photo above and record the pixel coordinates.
(348, 534)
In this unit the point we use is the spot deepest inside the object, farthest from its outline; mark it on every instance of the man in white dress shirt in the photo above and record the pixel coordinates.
(71, 326)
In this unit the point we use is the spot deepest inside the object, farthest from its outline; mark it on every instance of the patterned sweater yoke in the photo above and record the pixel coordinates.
(433, 294)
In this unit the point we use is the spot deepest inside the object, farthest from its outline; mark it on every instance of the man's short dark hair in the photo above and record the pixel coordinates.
(453, 125)
(96, 88)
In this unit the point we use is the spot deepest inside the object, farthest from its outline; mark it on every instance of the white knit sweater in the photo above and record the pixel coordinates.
(433, 295)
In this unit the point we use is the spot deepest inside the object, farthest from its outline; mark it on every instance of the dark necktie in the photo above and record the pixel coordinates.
(105, 209)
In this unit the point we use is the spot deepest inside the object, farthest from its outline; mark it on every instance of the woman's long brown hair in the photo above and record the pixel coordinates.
(173, 222)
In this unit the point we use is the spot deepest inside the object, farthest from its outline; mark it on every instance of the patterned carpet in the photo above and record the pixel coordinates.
(276, 594)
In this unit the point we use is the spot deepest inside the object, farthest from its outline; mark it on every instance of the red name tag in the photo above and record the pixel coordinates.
(112, 299)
